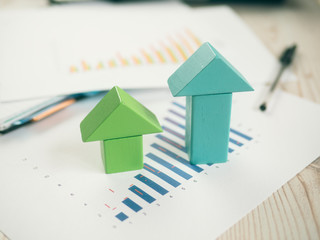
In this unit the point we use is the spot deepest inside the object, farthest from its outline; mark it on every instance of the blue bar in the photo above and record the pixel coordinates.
(175, 123)
(169, 166)
(131, 204)
(177, 157)
(177, 114)
(235, 142)
(240, 134)
(161, 175)
(121, 216)
(169, 130)
(145, 196)
(171, 142)
(152, 184)
(179, 105)
(230, 150)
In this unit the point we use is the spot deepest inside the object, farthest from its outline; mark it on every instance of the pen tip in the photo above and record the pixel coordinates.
(263, 107)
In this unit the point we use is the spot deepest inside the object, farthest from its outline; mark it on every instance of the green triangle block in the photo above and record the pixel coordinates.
(118, 115)
(206, 72)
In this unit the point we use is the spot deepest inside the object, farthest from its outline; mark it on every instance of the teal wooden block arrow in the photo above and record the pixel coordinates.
(208, 80)
(119, 121)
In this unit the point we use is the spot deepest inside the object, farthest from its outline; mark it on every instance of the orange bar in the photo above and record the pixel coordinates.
(150, 169)
(85, 66)
(159, 55)
(124, 62)
(180, 50)
(53, 110)
(136, 60)
(73, 69)
(194, 38)
(162, 149)
(147, 57)
(171, 54)
(138, 192)
(112, 63)
(100, 65)
(186, 44)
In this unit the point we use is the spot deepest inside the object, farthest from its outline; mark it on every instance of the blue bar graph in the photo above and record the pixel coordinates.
(161, 175)
(145, 196)
(121, 216)
(177, 114)
(151, 184)
(131, 204)
(230, 150)
(175, 123)
(169, 130)
(171, 142)
(176, 157)
(179, 105)
(240, 134)
(235, 142)
(169, 166)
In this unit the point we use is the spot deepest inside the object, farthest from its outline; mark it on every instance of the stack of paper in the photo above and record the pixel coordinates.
(63, 50)
(53, 186)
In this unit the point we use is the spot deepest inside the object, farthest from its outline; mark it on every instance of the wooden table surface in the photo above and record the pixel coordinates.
(293, 212)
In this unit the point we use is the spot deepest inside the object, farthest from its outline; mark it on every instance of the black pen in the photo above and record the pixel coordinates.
(285, 60)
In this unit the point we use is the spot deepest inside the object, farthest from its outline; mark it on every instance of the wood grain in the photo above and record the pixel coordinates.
(293, 212)
(3, 237)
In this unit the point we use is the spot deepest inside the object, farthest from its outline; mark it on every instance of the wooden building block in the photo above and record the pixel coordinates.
(208, 80)
(119, 121)
(118, 115)
(122, 154)
(206, 72)
(208, 125)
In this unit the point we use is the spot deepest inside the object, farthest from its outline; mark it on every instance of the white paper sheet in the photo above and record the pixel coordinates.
(53, 186)
(63, 50)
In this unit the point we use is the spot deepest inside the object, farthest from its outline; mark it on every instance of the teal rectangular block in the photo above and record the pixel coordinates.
(122, 154)
(207, 127)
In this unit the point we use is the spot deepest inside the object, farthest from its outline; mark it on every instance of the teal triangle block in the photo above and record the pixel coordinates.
(206, 72)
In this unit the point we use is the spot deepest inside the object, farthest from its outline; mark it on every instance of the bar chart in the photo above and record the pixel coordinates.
(170, 50)
(169, 154)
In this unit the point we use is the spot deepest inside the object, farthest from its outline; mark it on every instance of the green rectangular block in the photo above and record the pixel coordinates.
(122, 154)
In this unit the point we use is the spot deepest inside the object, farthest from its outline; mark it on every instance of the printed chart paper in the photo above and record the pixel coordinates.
(63, 50)
(53, 186)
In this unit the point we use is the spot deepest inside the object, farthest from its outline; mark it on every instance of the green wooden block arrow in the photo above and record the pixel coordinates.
(208, 80)
(119, 121)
